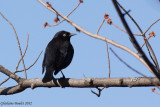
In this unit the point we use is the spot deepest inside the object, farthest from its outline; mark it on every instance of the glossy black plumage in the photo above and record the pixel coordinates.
(58, 54)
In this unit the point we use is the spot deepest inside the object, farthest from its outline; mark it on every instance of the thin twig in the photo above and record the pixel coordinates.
(99, 91)
(100, 26)
(55, 24)
(124, 30)
(151, 53)
(149, 48)
(74, 9)
(17, 42)
(109, 65)
(151, 26)
(4, 81)
(144, 43)
(66, 16)
(22, 70)
(127, 64)
(23, 53)
(32, 64)
(130, 17)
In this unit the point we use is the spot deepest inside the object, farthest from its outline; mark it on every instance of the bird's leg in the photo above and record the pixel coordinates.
(59, 81)
(62, 75)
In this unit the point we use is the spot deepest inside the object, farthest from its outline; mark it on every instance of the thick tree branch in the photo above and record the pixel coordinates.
(82, 83)
(9, 73)
(11, 90)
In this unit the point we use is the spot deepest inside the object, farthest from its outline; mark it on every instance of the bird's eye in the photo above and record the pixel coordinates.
(64, 35)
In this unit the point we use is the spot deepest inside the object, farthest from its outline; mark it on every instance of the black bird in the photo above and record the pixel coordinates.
(58, 55)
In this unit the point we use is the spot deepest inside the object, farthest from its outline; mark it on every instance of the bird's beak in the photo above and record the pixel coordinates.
(72, 34)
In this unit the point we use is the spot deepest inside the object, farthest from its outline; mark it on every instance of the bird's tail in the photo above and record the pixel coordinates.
(48, 76)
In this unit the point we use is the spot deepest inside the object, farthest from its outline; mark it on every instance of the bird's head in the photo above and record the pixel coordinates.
(64, 35)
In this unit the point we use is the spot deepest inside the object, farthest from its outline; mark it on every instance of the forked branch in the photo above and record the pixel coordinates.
(66, 16)
(12, 75)
(134, 42)
(20, 50)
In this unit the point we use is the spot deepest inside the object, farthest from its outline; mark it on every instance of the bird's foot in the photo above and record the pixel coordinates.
(59, 82)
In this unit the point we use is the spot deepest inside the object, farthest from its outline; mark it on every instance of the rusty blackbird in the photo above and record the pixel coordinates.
(58, 55)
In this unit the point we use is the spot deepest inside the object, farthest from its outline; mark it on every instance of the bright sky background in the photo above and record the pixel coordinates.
(90, 56)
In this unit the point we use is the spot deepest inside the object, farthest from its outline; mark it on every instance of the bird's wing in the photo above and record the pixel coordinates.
(61, 54)
(50, 55)
(64, 58)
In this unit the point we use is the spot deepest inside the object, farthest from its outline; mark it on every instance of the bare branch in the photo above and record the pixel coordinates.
(134, 42)
(130, 17)
(66, 16)
(74, 9)
(17, 42)
(11, 90)
(32, 64)
(9, 73)
(23, 70)
(99, 91)
(124, 30)
(100, 26)
(4, 81)
(151, 26)
(144, 42)
(23, 53)
(154, 59)
(82, 83)
(152, 54)
(109, 65)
